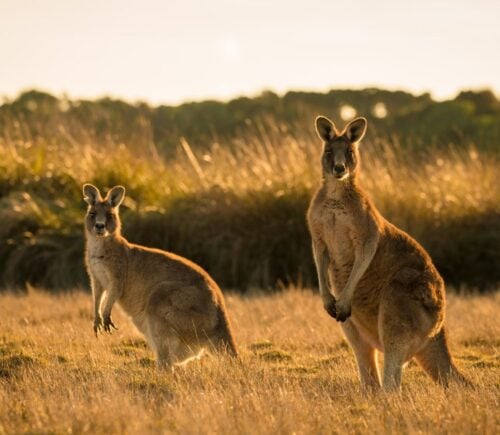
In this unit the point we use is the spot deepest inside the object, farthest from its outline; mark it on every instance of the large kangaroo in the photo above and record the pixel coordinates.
(172, 301)
(388, 294)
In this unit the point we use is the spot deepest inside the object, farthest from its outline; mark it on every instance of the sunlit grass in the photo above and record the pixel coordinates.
(296, 374)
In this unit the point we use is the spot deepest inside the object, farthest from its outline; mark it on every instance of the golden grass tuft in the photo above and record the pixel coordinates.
(295, 375)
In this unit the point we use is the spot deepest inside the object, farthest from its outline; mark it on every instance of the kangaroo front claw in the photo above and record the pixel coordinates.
(97, 326)
(108, 324)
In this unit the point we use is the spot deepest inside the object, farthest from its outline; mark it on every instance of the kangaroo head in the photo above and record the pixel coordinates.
(102, 214)
(340, 157)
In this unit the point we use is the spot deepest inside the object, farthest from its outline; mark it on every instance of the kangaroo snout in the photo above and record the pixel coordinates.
(100, 228)
(339, 170)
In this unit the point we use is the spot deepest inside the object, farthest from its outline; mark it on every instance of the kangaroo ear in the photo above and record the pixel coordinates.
(356, 129)
(91, 194)
(115, 196)
(325, 128)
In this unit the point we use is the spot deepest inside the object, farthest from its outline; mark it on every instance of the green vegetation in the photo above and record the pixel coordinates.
(413, 121)
(233, 194)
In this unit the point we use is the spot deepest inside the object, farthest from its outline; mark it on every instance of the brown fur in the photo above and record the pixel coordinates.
(171, 300)
(385, 287)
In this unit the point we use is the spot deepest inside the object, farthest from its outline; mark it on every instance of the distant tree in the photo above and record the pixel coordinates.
(485, 102)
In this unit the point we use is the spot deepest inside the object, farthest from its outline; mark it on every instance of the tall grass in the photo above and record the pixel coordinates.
(239, 208)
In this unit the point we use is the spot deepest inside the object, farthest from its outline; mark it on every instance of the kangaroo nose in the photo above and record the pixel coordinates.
(99, 226)
(339, 168)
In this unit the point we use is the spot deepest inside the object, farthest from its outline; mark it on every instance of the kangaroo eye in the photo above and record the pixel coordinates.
(109, 215)
(328, 152)
(92, 214)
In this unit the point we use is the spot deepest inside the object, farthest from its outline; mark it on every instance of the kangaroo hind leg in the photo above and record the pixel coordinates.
(366, 356)
(158, 335)
(161, 336)
(180, 318)
(400, 337)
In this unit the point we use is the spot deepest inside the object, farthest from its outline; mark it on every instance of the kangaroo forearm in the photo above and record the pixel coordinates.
(97, 293)
(111, 297)
(324, 287)
(363, 258)
(97, 306)
(322, 262)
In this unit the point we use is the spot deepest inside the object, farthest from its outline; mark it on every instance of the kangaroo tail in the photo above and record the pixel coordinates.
(435, 359)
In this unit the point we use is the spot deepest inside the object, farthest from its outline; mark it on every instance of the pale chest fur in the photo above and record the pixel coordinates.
(100, 272)
(97, 263)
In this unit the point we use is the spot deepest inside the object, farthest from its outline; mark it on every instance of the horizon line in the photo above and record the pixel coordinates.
(6, 98)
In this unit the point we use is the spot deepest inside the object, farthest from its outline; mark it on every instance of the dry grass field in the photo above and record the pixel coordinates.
(295, 375)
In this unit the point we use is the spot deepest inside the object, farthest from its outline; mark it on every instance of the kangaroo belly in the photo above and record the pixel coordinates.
(139, 321)
(133, 302)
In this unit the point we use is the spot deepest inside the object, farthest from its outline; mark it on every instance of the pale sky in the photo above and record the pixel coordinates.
(172, 51)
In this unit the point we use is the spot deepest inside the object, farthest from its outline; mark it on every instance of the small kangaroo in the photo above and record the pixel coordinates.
(171, 300)
(386, 291)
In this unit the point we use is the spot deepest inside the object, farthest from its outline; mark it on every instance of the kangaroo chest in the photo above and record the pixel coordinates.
(337, 232)
(97, 259)
(100, 271)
